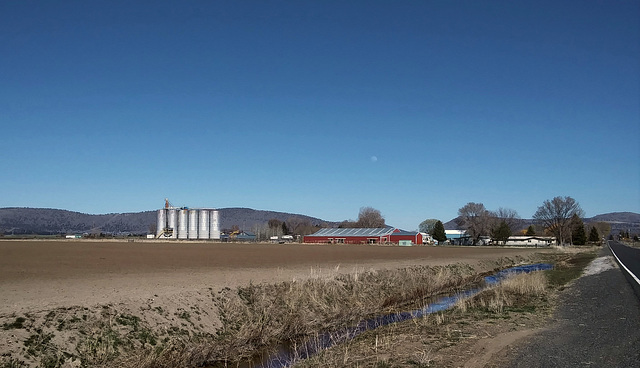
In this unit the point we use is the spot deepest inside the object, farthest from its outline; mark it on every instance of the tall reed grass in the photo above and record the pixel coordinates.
(259, 316)
(256, 317)
(512, 291)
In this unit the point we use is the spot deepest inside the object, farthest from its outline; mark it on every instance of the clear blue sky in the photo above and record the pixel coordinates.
(320, 107)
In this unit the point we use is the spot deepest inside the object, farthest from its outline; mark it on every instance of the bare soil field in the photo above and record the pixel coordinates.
(39, 275)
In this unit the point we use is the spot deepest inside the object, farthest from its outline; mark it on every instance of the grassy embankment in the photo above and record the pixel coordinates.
(257, 317)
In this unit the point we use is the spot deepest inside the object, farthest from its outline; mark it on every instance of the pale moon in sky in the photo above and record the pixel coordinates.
(374, 159)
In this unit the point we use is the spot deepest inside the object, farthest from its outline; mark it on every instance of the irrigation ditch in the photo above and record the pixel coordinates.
(289, 353)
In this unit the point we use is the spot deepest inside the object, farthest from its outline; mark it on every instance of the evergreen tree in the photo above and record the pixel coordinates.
(578, 235)
(285, 229)
(438, 232)
(501, 233)
(530, 231)
(593, 235)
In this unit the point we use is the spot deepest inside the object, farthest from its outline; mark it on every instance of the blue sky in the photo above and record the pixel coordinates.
(320, 107)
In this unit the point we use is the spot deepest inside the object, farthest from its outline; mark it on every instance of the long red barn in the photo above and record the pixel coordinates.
(380, 235)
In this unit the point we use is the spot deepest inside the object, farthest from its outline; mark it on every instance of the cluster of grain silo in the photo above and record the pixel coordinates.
(188, 223)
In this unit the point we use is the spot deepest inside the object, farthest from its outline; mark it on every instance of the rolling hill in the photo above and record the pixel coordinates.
(47, 221)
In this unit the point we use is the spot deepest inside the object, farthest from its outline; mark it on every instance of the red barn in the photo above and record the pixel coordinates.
(412, 236)
(380, 235)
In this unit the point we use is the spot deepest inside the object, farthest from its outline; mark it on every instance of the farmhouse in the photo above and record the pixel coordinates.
(531, 241)
(381, 235)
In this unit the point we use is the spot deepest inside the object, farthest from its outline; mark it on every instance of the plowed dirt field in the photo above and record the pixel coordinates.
(38, 275)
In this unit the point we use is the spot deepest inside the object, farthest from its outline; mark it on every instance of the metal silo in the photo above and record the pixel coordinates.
(203, 230)
(161, 223)
(215, 225)
(172, 222)
(183, 222)
(193, 224)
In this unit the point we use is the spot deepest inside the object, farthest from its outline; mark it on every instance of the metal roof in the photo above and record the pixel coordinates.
(338, 232)
(404, 233)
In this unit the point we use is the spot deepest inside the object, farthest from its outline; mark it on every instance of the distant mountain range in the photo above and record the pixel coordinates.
(628, 221)
(48, 221)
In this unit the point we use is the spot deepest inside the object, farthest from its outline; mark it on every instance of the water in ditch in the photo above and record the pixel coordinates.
(286, 354)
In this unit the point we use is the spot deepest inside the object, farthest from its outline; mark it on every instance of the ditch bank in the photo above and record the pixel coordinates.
(290, 353)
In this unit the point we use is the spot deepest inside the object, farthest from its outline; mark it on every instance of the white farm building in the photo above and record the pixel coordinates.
(530, 241)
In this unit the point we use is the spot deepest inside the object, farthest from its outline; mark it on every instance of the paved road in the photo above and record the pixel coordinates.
(597, 324)
(629, 261)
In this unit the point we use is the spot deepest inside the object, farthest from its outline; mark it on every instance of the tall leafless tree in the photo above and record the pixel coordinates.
(275, 227)
(370, 217)
(555, 215)
(509, 216)
(300, 226)
(475, 219)
(274, 223)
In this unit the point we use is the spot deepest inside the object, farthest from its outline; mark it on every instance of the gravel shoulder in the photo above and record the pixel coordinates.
(596, 323)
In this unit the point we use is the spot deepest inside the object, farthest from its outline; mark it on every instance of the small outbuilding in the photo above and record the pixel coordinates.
(406, 237)
(245, 236)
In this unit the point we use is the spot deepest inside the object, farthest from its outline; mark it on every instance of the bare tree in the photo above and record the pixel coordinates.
(275, 227)
(305, 227)
(295, 224)
(370, 217)
(555, 215)
(347, 224)
(274, 223)
(262, 231)
(604, 228)
(300, 226)
(475, 219)
(509, 216)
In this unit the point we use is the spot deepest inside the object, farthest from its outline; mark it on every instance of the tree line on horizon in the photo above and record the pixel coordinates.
(560, 217)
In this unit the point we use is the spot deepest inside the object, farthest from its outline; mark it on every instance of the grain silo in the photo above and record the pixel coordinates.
(203, 229)
(193, 224)
(183, 222)
(161, 223)
(215, 225)
(172, 228)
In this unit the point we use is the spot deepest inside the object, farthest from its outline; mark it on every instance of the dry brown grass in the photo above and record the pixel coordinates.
(514, 290)
(418, 342)
(259, 316)
(459, 335)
